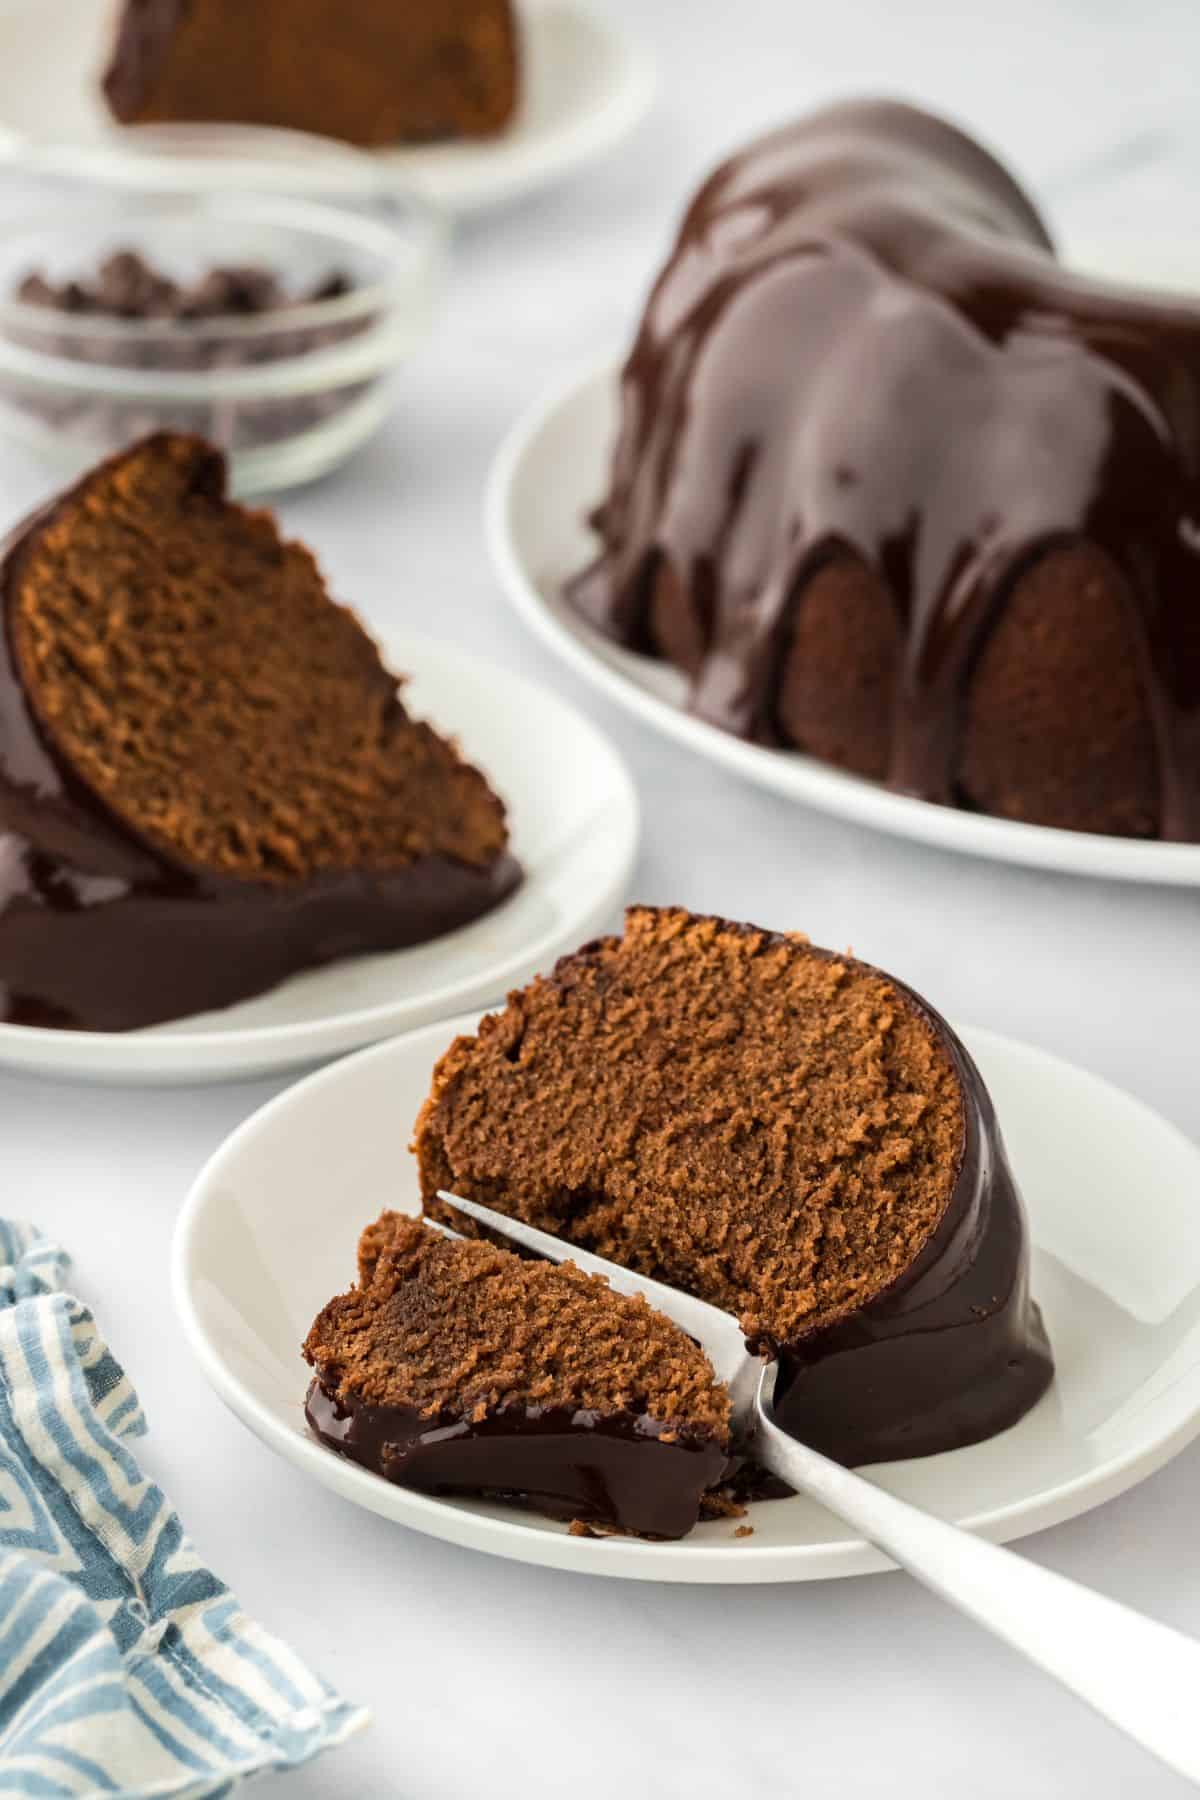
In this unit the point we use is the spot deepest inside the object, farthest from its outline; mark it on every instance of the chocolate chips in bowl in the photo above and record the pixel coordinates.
(272, 327)
(128, 288)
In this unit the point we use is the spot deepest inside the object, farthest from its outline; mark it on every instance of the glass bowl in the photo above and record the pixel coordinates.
(287, 393)
(204, 157)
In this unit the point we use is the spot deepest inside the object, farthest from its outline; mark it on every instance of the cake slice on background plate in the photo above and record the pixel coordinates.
(456, 1367)
(366, 72)
(208, 780)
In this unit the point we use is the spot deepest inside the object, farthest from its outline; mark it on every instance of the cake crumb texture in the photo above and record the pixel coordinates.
(732, 1111)
(190, 665)
(459, 1328)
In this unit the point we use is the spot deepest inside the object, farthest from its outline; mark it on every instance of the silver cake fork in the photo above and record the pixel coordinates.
(1141, 1676)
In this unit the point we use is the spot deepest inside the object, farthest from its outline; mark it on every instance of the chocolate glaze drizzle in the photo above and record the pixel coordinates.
(100, 932)
(861, 341)
(613, 1469)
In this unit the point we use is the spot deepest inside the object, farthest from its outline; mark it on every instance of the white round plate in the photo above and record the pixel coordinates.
(573, 814)
(548, 474)
(585, 86)
(1112, 1194)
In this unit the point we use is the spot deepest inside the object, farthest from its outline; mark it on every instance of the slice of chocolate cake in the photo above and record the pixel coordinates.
(372, 72)
(456, 1367)
(790, 1135)
(207, 778)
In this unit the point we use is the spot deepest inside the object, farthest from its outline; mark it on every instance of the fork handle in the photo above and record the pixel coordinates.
(1141, 1676)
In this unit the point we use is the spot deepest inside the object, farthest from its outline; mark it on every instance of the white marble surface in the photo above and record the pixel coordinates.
(488, 1678)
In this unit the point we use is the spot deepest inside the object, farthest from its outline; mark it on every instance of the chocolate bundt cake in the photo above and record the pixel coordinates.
(786, 1133)
(207, 779)
(458, 1368)
(366, 71)
(893, 488)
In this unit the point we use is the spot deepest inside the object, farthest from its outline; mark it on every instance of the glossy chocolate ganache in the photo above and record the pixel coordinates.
(104, 926)
(893, 487)
(570, 1463)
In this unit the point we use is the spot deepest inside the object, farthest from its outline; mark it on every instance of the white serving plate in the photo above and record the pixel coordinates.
(548, 474)
(268, 1234)
(585, 87)
(573, 814)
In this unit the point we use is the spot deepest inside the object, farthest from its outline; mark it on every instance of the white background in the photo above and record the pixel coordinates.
(492, 1679)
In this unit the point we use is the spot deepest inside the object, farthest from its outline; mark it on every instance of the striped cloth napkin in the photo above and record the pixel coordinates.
(126, 1667)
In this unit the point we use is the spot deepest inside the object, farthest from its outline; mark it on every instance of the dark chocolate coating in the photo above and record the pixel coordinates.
(952, 1352)
(611, 1469)
(861, 347)
(101, 932)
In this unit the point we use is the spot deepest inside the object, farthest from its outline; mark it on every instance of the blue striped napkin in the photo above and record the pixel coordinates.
(126, 1667)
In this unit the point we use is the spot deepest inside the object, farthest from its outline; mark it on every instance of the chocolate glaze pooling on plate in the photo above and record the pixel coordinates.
(98, 931)
(862, 344)
(608, 1469)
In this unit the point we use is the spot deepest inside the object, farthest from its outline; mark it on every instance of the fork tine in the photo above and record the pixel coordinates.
(437, 1225)
(717, 1333)
(528, 1236)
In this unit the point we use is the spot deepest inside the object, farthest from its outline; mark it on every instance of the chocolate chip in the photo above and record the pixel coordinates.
(334, 287)
(35, 290)
(127, 287)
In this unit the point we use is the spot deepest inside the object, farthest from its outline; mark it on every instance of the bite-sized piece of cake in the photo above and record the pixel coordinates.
(893, 488)
(457, 1367)
(788, 1134)
(372, 72)
(207, 778)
